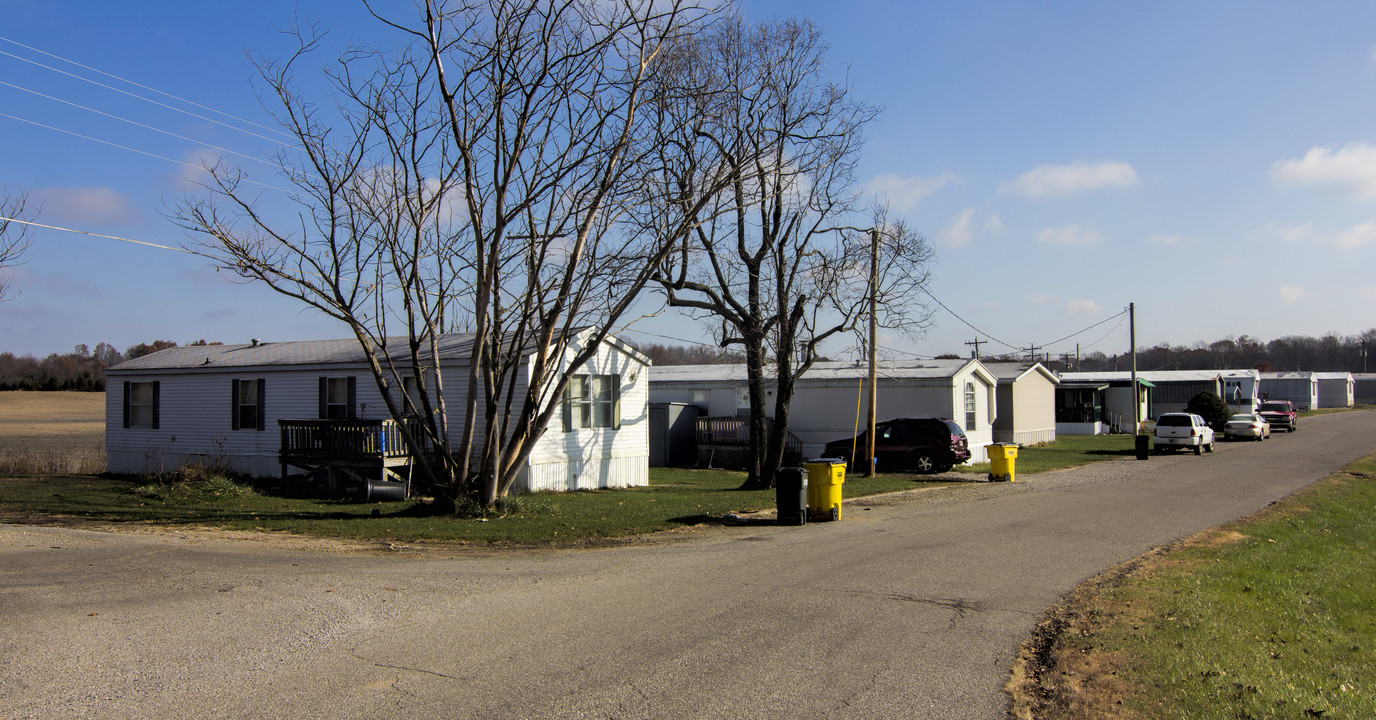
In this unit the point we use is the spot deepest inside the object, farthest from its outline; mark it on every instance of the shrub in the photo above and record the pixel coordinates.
(1211, 407)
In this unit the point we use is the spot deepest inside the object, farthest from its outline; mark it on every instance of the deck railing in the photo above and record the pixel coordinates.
(342, 439)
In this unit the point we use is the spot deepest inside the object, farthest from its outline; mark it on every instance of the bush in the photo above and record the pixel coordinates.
(1211, 407)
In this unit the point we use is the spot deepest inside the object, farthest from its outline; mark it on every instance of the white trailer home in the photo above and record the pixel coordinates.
(1241, 390)
(1300, 388)
(829, 402)
(1171, 390)
(261, 407)
(1026, 402)
(1336, 389)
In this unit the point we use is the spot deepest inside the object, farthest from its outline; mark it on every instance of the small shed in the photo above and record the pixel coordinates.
(1336, 389)
(1026, 402)
(673, 434)
(263, 408)
(828, 403)
(1300, 388)
(1364, 388)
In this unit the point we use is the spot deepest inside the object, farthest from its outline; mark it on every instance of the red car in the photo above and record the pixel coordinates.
(1278, 414)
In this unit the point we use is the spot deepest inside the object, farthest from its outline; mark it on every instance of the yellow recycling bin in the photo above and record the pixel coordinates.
(824, 479)
(1002, 458)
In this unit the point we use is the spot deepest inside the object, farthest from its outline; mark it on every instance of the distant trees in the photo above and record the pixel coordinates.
(689, 354)
(83, 369)
(1327, 353)
(14, 236)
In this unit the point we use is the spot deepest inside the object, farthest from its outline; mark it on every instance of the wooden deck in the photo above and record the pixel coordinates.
(366, 451)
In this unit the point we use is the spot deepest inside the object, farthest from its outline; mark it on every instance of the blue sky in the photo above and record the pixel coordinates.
(1215, 163)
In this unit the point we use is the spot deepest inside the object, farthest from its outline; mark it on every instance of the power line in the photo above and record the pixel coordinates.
(126, 147)
(145, 87)
(967, 323)
(1091, 327)
(140, 97)
(139, 124)
(99, 235)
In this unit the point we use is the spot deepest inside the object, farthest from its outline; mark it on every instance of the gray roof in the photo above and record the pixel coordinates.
(454, 347)
(1155, 376)
(1011, 370)
(736, 373)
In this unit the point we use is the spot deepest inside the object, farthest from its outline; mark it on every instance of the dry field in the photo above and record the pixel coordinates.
(52, 432)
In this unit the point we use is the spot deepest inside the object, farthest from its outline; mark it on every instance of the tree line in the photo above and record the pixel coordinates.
(82, 369)
(1326, 353)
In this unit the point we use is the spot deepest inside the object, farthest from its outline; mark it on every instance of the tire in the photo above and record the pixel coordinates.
(1199, 449)
(1209, 447)
(923, 463)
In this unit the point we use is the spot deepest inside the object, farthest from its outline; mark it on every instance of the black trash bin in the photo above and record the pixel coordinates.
(790, 495)
(1143, 446)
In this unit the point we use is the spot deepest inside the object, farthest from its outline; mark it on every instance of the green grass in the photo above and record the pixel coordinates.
(674, 499)
(1276, 618)
(1330, 411)
(1066, 452)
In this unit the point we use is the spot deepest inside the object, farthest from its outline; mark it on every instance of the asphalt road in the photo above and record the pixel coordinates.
(910, 607)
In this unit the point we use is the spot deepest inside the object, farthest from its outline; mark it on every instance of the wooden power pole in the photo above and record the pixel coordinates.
(874, 346)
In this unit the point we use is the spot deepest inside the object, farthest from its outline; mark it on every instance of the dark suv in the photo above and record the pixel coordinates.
(1278, 414)
(925, 445)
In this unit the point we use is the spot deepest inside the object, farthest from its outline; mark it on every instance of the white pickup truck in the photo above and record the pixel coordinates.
(1175, 430)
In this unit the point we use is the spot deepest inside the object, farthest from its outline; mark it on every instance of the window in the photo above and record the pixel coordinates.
(141, 405)
(970, 406)
(246, 403)
(592, 401)
(338, 398)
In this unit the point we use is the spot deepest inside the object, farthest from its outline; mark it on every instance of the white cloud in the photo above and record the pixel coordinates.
(904, 193)
(1352, 238)
(1077, 177)
(83, 205)
(960, 230)
(1070, 235)
(1292, 293)
(1350, 170)
(1368, 293)
(1172, 240)
(1082, 307)
(1356, 236)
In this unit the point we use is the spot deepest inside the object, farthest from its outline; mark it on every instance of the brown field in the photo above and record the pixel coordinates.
(52, 432)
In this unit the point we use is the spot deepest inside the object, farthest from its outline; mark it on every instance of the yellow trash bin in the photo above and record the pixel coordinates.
(824, 479)
(1002, 458)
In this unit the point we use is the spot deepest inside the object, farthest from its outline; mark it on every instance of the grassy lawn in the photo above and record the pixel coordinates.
(1271, 617)
(674, 499)
(1068, 451)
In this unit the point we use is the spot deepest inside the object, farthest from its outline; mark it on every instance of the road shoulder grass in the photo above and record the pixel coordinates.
(1272, 616)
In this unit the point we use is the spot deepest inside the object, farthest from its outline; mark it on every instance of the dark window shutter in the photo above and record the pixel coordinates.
(233, 404)
(616, 402)
(324, 396)
(262, 405)
(157, 385)
(568, 408)
(126, 403)
(353, 397)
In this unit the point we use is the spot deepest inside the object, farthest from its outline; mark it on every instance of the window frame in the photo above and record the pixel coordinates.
(258, 419)
(971, 406)
(334, 409)
(596, 411)
(132, 409)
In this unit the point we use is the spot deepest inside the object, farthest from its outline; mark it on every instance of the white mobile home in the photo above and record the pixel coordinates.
(829, 400)
(1171, 390)
(1026, 403)
(1336, 389)
(238, 404)
(1241, 389)
(1300, 388)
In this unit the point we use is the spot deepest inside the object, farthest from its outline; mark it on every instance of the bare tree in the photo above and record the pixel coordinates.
(14, 235)
(769, 263)
(481, 178)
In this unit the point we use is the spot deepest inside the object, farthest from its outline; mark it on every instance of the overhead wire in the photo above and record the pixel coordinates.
(95, 234)
(147, 100)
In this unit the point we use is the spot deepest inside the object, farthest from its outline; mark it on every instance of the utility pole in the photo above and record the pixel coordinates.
(976, 343)
(874, 346)
(1132, 339)
(1032, 352)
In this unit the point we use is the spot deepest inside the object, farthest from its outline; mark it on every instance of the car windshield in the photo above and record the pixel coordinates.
(1242, 418)
(1174, 420)
(1275, 407)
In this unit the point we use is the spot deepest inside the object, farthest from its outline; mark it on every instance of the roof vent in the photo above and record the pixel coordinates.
(254, 341)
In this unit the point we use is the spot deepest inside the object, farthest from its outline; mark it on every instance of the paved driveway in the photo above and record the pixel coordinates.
(911, 607)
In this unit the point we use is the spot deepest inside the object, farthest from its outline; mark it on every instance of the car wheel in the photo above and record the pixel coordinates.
(924, 464)
(944, 468)
(1199, 449)
(844, 457)
(1209, 447)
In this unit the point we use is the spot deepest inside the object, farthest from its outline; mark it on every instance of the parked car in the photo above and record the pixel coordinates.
(1280, 413)
(1247, 425)
(925, 445)
(1177, 430)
